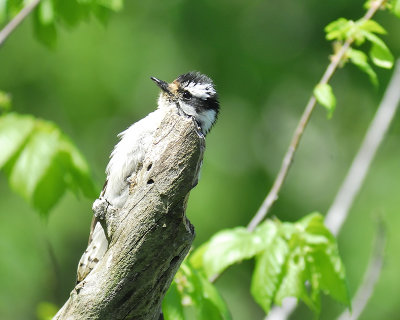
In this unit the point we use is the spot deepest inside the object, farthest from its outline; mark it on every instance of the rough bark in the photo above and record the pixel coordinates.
(149, 237)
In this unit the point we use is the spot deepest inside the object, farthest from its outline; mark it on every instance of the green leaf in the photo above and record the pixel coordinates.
(213, 306)
(343, 29)
(72, 12)
(381, 56)
(45, 33)
(5, 101)
(268, 272)
(380, 53)
(194, 293)
(371, 26)
(300, 253)
(374, 39)
(46, 12)
(40, 162)
(332, 273)
(196, 257)
(324, 95)
(231, 246)
(324, 260)
(327, 272)
(338, 29)
(292, 284)
(14, 131)
(79, 177)
(313, 229)
(44, 23)
(172, 304)
(360, 59)
(33, 161)
(102, 14)
(52, 185)
(361, 27)
(396, 7)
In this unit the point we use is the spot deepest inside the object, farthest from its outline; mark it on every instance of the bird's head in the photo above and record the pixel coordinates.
(194, 94)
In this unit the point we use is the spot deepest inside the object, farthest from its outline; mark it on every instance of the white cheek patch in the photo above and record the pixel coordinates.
(188, 109)
(201, 91)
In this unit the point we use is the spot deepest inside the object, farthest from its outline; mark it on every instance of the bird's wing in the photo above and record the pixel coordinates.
(126, 159)
(97, 247)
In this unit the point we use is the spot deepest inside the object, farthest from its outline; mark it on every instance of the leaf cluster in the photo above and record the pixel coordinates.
(358, 32)
(40, 162)
(362, 31)
(298, 259)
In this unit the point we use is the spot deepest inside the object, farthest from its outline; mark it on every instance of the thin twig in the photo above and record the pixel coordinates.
(340, 207)
(6, 31)
(371, 277)
(288, 158)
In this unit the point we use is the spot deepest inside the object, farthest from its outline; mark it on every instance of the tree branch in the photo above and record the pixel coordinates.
(150, 236)
(288, 158)
(340, 207)
(371, 277)
(14, 23)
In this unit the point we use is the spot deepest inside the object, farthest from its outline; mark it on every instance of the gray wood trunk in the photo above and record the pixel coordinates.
(149, 237)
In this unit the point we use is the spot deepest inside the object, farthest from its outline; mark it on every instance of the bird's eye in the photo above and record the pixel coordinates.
(186, 95)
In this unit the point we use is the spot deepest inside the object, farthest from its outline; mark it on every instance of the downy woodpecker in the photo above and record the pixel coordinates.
(192, 94)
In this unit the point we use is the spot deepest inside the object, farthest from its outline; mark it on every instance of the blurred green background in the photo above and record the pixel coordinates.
(265, 58)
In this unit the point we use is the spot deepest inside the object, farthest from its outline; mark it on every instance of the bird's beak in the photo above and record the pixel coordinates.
(162, 84)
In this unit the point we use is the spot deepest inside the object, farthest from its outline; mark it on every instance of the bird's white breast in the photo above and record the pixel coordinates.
(128, 154)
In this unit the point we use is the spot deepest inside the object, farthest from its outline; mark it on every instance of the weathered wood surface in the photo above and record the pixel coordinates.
(149, 237)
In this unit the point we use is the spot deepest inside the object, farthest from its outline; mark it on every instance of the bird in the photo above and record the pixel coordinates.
(192, 94)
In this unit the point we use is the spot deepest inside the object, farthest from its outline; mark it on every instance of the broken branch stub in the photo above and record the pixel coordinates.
(149, 237)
